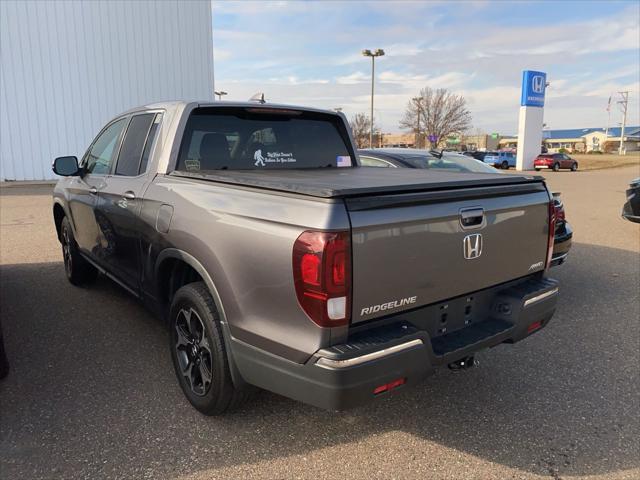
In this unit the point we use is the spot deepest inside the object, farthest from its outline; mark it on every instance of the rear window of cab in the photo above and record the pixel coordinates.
(260, 138)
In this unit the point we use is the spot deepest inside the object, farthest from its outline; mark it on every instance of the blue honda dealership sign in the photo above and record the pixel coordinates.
(533, 88)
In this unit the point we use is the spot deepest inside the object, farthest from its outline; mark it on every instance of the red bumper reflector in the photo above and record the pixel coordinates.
(534, 326)
(389, 386)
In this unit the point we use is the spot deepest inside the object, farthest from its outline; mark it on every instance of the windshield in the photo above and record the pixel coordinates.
(263, 139)
(451, 162)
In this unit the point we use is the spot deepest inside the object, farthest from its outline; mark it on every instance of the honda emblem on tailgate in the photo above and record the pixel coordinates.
(472, 246)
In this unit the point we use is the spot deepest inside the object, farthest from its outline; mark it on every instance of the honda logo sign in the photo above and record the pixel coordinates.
(533, 88)
(472, 246)
(537, 84)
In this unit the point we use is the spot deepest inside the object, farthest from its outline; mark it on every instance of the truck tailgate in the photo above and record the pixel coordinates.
(412, 249)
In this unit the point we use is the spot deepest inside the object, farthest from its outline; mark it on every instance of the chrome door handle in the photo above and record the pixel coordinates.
(129, 195)
(93, 191)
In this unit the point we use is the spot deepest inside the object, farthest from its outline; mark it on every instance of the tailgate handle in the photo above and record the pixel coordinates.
(472, 217)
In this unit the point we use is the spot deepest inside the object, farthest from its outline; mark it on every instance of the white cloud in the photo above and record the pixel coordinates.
(309, 53)
(354, 78)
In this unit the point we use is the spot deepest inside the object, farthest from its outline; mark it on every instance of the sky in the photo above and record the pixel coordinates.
(309, 53)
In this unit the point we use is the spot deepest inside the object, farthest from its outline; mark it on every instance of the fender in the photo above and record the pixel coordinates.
(67, 213)
(198, 267)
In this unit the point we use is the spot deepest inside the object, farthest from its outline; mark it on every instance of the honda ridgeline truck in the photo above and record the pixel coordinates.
(279, 262)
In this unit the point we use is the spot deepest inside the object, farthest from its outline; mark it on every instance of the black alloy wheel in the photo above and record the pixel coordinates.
(66, 251)
(77, 269)
(193, 351)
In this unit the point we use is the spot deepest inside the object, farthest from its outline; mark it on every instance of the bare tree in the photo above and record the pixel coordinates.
(360, 125)
(436, 114)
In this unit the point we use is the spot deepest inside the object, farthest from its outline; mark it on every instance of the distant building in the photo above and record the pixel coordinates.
(388, 140)
(481, 142)
(456, 142)
(580, 140)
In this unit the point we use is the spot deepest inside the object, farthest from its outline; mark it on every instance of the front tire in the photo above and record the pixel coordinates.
(574, 166)
(199, 353)
(79, 272)
(505, 166)
(556, 167)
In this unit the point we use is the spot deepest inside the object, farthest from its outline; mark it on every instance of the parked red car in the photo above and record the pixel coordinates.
(555, 161)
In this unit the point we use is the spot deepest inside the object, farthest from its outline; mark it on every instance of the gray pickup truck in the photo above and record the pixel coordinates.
(279, 262)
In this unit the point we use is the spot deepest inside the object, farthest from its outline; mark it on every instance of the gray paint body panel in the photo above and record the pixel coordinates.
(417, 250)
(240, 228)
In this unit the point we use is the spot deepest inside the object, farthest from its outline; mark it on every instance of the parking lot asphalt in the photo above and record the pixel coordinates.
(92, 394)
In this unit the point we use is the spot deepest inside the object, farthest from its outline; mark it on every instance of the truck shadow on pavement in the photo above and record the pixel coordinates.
(92, 392)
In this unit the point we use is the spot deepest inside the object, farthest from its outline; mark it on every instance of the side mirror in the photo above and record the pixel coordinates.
(66, 166)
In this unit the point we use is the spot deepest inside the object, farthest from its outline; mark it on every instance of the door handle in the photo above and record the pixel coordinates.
(93, 191)
(471, 217)
(129, 195)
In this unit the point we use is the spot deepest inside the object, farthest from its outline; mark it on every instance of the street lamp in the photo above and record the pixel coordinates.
(367, 53)
(416, 100)
(220, 93)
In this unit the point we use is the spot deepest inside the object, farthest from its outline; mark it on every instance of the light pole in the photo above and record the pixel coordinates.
(219, 93)
(416, 100)
(368, 53)
(624, 103)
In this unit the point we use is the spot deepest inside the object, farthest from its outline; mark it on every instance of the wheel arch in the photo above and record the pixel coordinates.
(170, 255)
(173, 254)
(59, 212)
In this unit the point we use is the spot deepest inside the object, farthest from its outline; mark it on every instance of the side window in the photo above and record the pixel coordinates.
(373, 162)
(133, 145)
(151, 138)
(100, 158)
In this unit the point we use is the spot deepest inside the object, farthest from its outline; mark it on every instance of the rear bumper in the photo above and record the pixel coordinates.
(405, 346)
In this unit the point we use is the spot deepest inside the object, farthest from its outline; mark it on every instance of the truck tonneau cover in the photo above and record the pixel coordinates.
(356, 181)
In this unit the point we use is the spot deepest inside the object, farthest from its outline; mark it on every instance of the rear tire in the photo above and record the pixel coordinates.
(199, 354)
(556, 167)
(78, 270)
(505, 166)
(574, 166)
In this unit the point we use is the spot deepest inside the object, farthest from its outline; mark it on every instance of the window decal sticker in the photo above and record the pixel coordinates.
(272, 157)
(343, 160)
(192, 164)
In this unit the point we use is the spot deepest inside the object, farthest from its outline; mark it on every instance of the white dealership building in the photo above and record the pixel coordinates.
(68, 67)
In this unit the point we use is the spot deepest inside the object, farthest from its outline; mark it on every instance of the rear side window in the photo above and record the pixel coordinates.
(101, 154)
(133, 144)
(263, 139)
(151, 139)
(374, 162)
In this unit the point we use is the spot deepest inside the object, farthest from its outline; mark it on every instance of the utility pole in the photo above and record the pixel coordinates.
(417, 102)
(624, 102)
(368, 53)
(606, 132)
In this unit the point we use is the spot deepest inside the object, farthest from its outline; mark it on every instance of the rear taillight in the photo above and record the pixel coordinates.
(552, 232)
(322, 276)
(559, 207)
